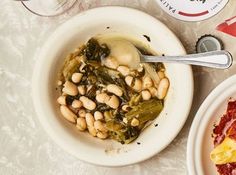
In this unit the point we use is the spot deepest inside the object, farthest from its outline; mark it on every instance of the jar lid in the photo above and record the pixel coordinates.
(208, 43)
(192, 10)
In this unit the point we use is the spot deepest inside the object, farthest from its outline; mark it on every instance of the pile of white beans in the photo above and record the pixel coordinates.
(82, 112)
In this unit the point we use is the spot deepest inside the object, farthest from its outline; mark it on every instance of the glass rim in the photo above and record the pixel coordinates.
(44, 15)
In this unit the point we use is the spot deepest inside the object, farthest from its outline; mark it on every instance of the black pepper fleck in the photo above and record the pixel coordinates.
(147, 37)
(163, 54)
(108, 27)
(138, 143)
(156, 125)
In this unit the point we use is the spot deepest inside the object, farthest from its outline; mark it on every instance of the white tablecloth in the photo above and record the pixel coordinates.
(25, 148)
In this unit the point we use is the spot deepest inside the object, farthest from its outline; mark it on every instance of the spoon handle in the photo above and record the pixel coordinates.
(214, 59)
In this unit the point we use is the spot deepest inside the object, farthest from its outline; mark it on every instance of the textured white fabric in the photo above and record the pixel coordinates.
(25, 148)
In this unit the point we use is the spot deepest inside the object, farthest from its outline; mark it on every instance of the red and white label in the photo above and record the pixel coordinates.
(229, 26)
(192, 10)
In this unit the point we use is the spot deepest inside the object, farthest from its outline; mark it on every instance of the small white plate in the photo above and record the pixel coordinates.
(200, 142)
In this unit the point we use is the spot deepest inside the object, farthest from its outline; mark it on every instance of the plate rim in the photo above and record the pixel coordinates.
(191, 142)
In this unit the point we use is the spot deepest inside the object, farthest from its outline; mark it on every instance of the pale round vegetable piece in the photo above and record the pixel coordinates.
(124, 51)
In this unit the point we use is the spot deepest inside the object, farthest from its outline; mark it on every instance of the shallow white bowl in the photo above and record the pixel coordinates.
(200, 142)
(78, 30)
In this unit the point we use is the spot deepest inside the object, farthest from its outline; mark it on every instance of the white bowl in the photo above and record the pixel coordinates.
(200, 142)
(78, 30)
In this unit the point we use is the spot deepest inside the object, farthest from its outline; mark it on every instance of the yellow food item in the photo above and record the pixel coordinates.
(224, 152)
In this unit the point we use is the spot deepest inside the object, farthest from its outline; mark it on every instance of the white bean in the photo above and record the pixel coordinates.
(146, 95)
(140, 69)
(76, 104)
(111, 62)
(162, 88)
(82, 113)
(113, 102)
(99, 126)
(59, 82)
(153, 91)
(134, 122)
(81, 124)
(89, 119)
(102, 97)
(129, 80)
(102, 135)
(147, 82)
(125, 108)
(70, 88)
(68, 114)
(61, 100)
(87, 103)
(125, 120)
(115, 89)
(161, 74)
(98, 115)
(124, 70)
(137, 85)
(81, 90)
(92, 131)
(76, 77)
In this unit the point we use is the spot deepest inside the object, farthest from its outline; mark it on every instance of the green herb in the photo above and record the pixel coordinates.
(95, 51)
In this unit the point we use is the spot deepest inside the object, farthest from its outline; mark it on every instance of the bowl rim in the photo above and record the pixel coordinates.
(50, 131)
(216, 96)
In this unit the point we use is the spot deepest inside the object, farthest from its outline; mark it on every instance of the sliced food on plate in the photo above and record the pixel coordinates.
(224, 153)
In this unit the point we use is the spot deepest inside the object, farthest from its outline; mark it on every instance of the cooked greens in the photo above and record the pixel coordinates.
(112, 101)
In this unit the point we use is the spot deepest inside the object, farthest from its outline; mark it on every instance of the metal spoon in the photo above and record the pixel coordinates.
(128, 54)
(214, 59)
